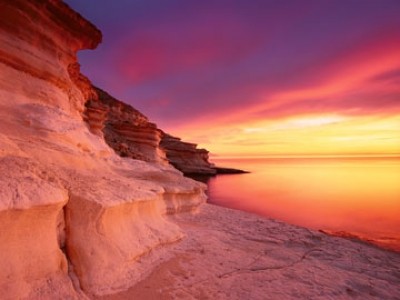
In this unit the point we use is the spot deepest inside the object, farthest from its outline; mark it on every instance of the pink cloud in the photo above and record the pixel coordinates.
(361, 81)
(207, 40)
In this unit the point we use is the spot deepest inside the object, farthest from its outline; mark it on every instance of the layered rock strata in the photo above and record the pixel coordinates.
(124, 128)
(74, 216)
(131, 134)
(186, 157)
(191, 160)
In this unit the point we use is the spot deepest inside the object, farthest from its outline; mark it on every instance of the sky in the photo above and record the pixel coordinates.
(255, 78)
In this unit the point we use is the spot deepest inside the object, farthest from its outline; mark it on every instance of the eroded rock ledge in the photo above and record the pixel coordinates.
(186, 157)
(125, 129)
(75, 217)
(131, 134)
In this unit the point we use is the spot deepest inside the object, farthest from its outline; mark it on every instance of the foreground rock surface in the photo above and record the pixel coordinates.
(229, 254)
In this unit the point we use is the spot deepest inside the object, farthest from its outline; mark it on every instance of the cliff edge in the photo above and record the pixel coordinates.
(75, 216)
(131, 134)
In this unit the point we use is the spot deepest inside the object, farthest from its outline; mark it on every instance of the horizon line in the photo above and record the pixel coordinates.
(393, 155)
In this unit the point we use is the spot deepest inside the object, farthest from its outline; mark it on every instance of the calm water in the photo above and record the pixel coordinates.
(355, 195)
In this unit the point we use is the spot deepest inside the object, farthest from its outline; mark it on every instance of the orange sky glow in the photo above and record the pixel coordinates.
(257, 78)
(335, 129)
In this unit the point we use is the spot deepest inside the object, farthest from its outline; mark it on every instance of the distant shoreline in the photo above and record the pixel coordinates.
(390, 244)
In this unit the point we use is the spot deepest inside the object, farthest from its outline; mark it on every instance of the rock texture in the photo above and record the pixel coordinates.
(124, 128)
(235, 255)
(131, 134)
(186, 157)
(78, 221)
(74, 216)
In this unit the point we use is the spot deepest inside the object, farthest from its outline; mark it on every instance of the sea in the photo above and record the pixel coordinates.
(353, 197)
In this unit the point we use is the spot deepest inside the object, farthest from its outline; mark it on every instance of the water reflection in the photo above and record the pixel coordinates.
(356, 195)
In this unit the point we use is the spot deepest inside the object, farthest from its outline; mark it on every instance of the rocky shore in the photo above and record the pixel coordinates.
(229, 254)
(91, 205)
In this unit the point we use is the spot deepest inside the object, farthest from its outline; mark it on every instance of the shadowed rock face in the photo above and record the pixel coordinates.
(186, 157)
(125, 129)
(131, 134)
(74, 216)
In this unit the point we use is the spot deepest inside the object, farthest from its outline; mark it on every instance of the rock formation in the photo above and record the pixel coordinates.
(74, 216)
(131, 134)
(186, 157)
(124, 128)
(78, 221)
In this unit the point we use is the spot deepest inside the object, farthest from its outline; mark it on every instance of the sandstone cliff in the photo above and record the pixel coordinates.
(124, 128)
(186, 156)
(131, 134)
(74, 216)
(78, 221)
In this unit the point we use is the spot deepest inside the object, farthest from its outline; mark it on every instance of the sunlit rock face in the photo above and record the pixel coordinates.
(40, 39)
(186, 157)
(74, 216)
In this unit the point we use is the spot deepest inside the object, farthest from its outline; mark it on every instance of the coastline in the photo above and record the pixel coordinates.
(92, 207)
(386, 243)
(231, 254)
(376, 226)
